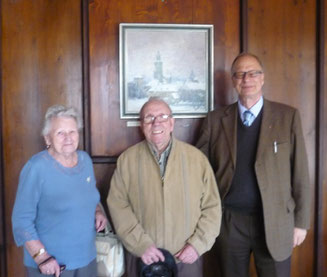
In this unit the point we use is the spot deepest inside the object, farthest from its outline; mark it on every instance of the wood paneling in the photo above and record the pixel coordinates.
(109, 134)
(322, 214)
(41, 66)
(103, 173)
(2, 190)
(283, 35)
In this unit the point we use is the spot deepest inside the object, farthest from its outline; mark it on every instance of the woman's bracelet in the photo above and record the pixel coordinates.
(45, 261)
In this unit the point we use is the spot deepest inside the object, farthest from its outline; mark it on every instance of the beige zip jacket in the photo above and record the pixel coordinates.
(182, 207)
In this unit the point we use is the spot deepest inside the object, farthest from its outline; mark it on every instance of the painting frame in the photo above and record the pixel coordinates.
(171, 61)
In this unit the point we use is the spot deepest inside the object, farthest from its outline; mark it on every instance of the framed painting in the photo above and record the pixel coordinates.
(171, 61)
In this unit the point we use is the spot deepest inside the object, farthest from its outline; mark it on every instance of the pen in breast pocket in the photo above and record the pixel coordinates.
(275, 147)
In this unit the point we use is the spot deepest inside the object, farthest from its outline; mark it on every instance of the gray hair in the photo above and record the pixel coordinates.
(246, 54)
(60, 111)
(154, 99)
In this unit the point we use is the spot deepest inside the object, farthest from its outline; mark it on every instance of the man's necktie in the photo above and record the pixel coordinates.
(248, 118)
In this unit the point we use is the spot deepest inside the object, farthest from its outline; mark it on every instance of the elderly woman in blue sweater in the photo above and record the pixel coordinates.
(56, 213)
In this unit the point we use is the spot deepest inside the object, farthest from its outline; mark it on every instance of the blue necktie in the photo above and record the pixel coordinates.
(248, 118)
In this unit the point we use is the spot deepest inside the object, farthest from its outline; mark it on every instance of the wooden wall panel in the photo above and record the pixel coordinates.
(41, 66)
(103, 173)
(283, 35)
(109, 134)
(323, 212)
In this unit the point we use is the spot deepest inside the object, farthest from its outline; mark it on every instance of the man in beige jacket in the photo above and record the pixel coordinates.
(163, 194)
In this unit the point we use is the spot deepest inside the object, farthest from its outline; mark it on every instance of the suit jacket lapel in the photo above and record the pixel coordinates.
(229, 123)
(266, 129)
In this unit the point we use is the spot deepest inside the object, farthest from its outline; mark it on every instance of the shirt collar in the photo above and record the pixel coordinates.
(165, 153)
(163, 158)
(255, 109)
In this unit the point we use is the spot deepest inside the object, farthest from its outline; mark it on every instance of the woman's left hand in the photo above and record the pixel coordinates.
(100, 220)
(50, 267)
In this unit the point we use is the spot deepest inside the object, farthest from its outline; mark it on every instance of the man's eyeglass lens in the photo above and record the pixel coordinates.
(160, 118)
(250, 74)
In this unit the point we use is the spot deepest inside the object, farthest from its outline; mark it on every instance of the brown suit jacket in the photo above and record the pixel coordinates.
(282, 177)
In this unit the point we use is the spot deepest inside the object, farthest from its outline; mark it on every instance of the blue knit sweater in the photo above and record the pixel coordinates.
(56, 205)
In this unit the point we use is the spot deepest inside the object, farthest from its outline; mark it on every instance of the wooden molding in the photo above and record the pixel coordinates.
(320, 149)
(244, 25)
(86, 75)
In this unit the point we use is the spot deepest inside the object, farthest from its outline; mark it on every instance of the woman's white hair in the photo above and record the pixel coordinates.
(60, 111)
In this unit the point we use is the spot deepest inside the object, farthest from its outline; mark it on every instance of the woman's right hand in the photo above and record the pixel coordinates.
(50, 266)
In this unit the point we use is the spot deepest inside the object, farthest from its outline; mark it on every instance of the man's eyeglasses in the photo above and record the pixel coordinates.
(251, 74)
(160, 118)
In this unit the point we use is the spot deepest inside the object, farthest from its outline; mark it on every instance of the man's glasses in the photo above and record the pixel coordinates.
(160, 118)
(251, 74)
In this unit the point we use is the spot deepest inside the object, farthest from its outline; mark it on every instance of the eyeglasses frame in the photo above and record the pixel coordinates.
(161, 118)
(247, 73)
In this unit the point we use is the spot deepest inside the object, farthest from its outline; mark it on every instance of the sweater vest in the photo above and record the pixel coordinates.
(244, 194)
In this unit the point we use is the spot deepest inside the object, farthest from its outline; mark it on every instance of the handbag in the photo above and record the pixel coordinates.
(110, 254)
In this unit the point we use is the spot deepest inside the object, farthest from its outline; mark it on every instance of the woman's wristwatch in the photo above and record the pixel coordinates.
(40, 252)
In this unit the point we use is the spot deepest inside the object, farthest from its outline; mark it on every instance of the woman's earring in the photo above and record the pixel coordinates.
(48, 146)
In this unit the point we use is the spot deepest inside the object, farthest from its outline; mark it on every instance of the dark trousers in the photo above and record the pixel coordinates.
(184, 270)
(242, 234)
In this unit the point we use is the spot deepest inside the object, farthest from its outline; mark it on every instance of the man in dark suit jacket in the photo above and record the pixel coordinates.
(261, 169)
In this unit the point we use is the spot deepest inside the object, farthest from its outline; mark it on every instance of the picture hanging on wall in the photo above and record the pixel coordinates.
(170, 61)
